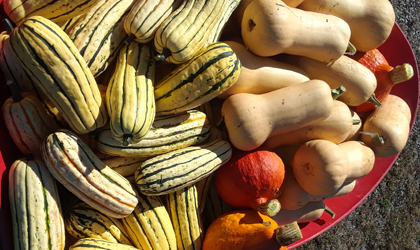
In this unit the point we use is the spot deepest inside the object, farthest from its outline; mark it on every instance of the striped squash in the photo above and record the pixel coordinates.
(202, 187)
(130, 99)
(215, 33)
(185, 215)
(212, 70)
(99, 244)
(35, 207)
(145, 18)
(10, 66)
(75, 166)
(187, 29)
(173, 171)
(56, 66)
(168, 133)
(150, 226)
(55, 10)
(125, 166)
(215, 205)
(99, 33)
(83, 221)
(27, 121)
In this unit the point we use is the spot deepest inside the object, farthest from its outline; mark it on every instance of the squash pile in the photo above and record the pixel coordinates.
(192, 124)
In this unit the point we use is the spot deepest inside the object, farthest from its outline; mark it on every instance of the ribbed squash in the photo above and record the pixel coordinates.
(99, 33)
(98, 244)
(27, 121)
(130, 96)
(53, 62)
(75, 166)
(187, 29)
(145, 17)
(83, 221)
(168, 133)
(125, 166)
(210, 72)
(216, 32)
(55, 10)
(185, 215)
(35, 207)
(177, 169)
(150, 226)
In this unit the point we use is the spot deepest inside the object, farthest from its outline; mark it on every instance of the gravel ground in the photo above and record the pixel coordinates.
(390, 217)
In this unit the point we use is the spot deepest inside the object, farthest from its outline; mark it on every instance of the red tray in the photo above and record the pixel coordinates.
(396, 49)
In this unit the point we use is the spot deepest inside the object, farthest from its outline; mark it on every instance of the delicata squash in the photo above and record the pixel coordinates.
(270, 27)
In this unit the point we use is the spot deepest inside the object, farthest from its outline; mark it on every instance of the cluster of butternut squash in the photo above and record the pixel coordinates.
(193, 124)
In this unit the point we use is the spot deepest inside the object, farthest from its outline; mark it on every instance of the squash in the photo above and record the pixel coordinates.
(362, 159)
(260, 75)
(335, 128)
(310, 212)
(371, 22)
(355, 129)
(270, 27)
(359, 81)
(386, 75)
(252, 179)
(320, 167)
(247, 230)
(250, 119)
(294, 197)
(386, 129)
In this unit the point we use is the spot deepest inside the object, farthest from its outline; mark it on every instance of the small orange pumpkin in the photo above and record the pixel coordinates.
(243, 230)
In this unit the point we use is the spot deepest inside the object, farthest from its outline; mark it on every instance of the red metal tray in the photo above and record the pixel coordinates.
(396, 49)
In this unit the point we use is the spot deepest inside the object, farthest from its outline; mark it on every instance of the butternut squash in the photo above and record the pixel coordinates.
(320, 167)
(270, 27)
(310, 212)
(335, 128)
(370, 22)
(355, 129)
(260, 75)
(359, 81)
(294, 197)
(250, 119)
(386, 129)
(361, 159)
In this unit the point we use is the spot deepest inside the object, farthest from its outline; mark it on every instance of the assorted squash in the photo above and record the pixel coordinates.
(184, 124)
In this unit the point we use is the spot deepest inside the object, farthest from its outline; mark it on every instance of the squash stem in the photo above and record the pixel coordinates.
(356, 121)
(270, 208)
(372, 99)
(288, 234)
(8, 25)
(338, 92)
(162, 56)
(329, 211)
(17, 97)
(127, 139)
(401, 73)
(376, 138)
(351, 49)
(129, 39)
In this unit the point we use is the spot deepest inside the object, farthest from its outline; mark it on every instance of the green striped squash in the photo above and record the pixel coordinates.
(145, 17)
(215, 33)
(185, 215)
(55, 10)
(125, 166)
(99, 244)
(173, 171)
(130, 97)
(210, 72)
(75, 166)
(56, 66)
(150, 226)
(186, 30)
(35, 207)
(99, 33)
(168, 133)
(83, 221)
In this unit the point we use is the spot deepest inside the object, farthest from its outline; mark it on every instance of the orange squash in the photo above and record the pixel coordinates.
(245, 230)
(251, 179)
(386, 75)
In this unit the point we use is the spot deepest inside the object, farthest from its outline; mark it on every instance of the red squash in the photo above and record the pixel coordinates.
(386, 75)
(252, 179)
